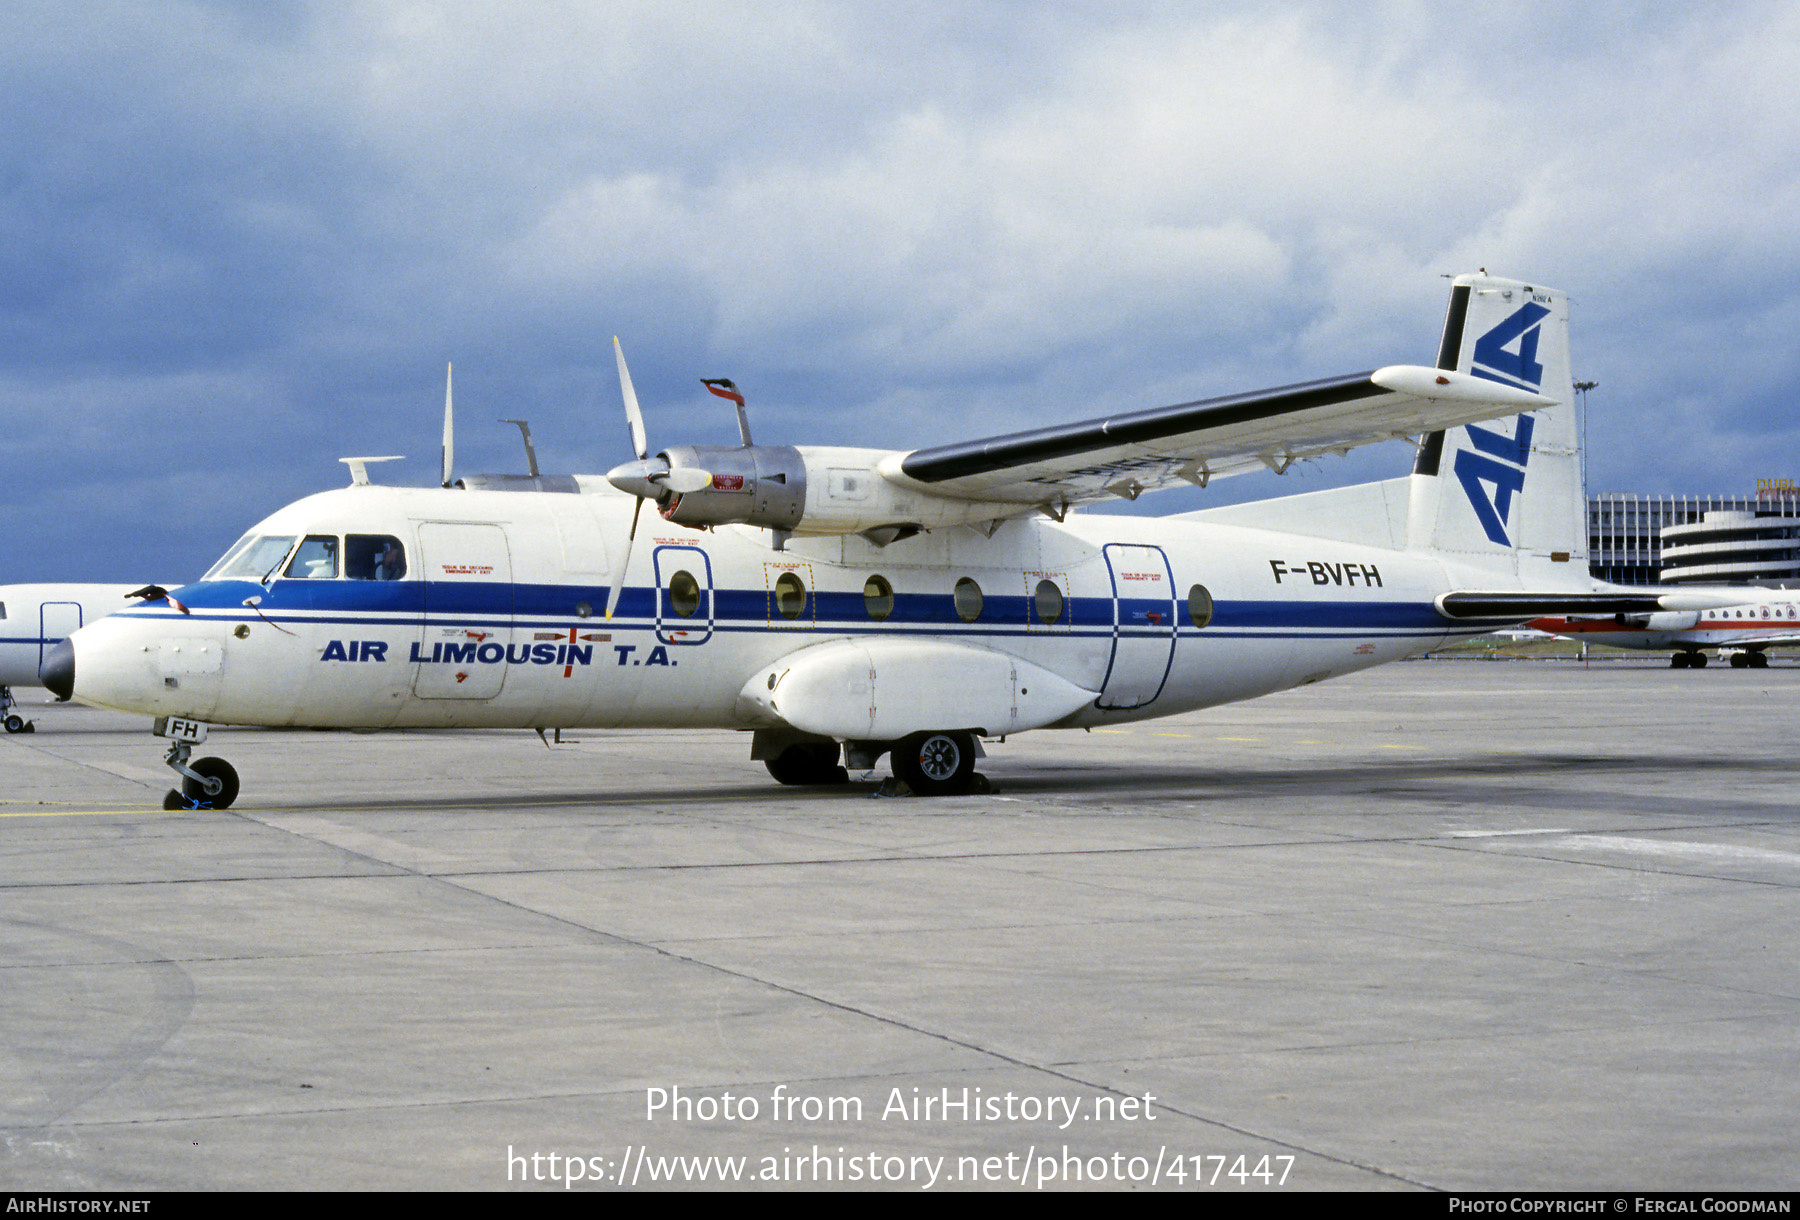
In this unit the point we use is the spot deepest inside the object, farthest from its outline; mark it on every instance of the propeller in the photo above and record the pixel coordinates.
(449, 430)
(634, 422)
(646, 478)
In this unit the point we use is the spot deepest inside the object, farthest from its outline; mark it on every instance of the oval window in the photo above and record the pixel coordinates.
(968, 600)
(1048, 602)
(790, 595)
(1200, 605)
(684, 594)
(878, 597)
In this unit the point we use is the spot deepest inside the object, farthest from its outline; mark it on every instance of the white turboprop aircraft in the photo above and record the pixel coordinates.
(34, 619)
(845, 603)
(1740, 632)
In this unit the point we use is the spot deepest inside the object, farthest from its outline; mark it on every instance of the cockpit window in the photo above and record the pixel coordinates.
(374, 557)
(316, 559)
(255, 557)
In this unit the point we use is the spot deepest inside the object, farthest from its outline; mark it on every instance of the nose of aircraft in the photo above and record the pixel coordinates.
(58, 670)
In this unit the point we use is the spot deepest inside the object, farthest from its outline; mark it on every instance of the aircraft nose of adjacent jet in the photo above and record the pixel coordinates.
(58, 670)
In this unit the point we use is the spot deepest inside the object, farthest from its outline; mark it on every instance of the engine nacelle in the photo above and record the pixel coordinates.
(1671, 620)
(816, 490)
(762, 485)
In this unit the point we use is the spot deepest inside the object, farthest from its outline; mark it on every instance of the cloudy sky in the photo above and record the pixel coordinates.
(241, 240)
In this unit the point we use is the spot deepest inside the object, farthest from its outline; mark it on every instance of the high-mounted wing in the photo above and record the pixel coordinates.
(1195, 442)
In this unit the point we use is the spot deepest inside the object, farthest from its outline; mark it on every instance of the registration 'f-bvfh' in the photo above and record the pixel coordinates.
(841, 604)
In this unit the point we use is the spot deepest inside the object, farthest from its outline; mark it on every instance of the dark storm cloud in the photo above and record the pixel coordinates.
(240, 241)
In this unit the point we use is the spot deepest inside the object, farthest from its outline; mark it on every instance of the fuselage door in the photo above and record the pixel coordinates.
(1143, 625)
(684, 595)
(467, 630)
(57, 621)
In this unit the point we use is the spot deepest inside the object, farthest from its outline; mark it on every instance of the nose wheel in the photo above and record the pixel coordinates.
(15, 723)
(206, 783)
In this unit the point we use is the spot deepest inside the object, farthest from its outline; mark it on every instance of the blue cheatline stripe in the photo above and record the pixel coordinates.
(809, 631)
(551, 607)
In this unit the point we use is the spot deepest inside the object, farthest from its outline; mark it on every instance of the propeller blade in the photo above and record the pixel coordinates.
(449, 429)
(633, 417)
(612, 597)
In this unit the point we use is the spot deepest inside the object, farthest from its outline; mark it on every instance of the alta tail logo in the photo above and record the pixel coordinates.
(1506, 354)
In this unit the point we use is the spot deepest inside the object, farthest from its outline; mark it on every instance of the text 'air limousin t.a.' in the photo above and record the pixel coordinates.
(845, 603)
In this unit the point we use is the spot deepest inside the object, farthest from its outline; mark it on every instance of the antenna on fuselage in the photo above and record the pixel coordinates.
(359, 467)
(449, 428)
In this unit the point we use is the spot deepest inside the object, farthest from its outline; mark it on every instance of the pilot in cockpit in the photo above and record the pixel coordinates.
(392, 564)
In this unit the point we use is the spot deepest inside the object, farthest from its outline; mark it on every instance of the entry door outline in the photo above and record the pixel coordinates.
(671, 628)
(1143, 642)
(467, 568)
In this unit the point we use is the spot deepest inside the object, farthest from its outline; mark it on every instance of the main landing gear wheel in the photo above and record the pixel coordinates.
(16, 723)
(936, 764)
(1740, 660)
(1759, 660)
(220, 776)
(810, 762)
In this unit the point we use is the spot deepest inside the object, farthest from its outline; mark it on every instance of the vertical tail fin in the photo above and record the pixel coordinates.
(1506, 496)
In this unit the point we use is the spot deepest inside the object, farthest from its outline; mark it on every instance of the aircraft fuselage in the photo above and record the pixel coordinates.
(499, 619)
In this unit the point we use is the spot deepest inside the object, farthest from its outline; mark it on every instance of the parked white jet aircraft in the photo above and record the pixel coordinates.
(845, 603)
(33, 619)
(1740, 632)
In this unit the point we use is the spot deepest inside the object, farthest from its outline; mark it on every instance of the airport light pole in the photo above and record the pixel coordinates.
(1581, 390)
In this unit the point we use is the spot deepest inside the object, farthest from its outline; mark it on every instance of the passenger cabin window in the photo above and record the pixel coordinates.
(316, 559)
(684, 594)
(1200, 606)
(790, 595)
(967, 597)
(374, 557)
(878, 597)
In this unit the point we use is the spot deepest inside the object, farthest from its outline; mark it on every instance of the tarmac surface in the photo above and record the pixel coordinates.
(1450, 925)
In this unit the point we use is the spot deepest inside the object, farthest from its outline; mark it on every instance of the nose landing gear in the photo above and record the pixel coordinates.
(15, 723)
(207, 783)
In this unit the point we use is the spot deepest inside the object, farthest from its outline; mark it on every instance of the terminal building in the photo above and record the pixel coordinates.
(1713, 540)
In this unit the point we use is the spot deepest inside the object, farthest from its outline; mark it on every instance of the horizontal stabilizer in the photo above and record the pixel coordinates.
(1520, 607)
(883, 689)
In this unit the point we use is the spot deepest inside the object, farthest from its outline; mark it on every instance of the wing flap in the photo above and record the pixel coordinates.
(1198, 441)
